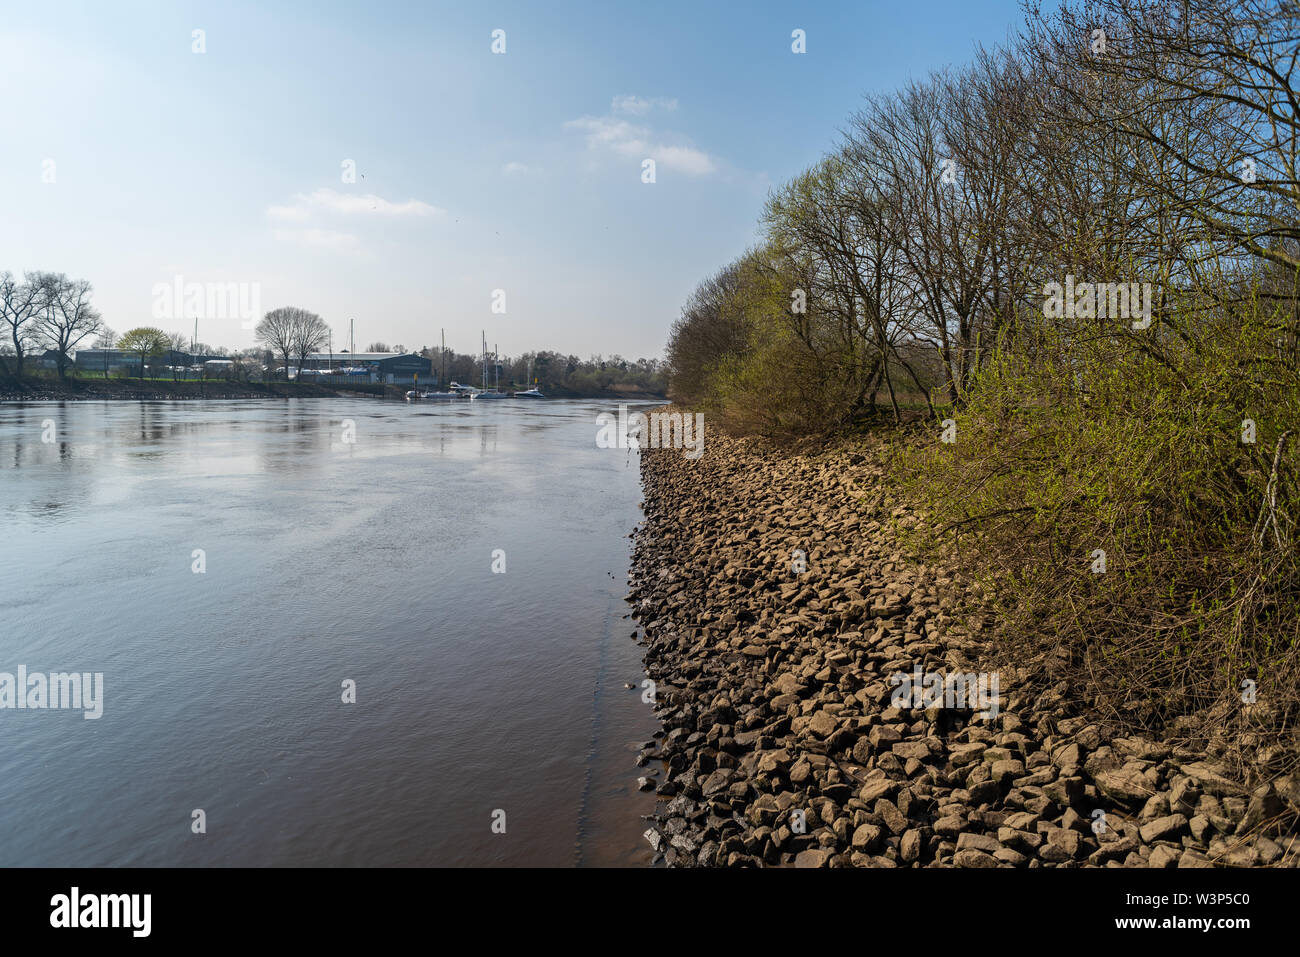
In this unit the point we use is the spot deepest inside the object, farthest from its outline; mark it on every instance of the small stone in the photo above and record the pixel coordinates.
(1269, 851)
(1200, 827)
(1023, 841)
(1124, 785)
(874, 790)
(909, 848)
(1157, 806)
(1265, 806)
(1163, 828)
(1021, 821)
(1007, 856)
(823, 725)
(1007, 769)
(978, 842)
(1070, 755)
(812, 857)
(1212, 779)
(1164, 856)
(973, 858)
(1184, 796)
(1066, 839)
(965, 754)
(894, 819)
(866, 838)
(1054, 853)
(1113, 851)
(949, 826)
(1065, 792)
(911, 750)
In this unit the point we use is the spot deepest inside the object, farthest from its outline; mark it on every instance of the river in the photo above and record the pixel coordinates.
(231, 568)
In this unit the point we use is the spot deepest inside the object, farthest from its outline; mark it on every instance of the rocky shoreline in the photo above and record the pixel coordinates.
(777, 608)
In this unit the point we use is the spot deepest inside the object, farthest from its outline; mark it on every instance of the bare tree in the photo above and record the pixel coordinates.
(276, 333)
(67, 317)
(178, 343)
(105, 340)
(309, 335)
(21, 304)
(1227, 69)
(706, 332)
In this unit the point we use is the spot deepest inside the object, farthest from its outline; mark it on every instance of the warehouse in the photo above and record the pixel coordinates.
(128, 363)
(394, 368)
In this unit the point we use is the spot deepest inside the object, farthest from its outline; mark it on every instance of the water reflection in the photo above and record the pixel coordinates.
(324, 560)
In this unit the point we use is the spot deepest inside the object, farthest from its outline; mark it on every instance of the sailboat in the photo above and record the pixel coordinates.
(532, 393)
(457, 392)
(494, 392)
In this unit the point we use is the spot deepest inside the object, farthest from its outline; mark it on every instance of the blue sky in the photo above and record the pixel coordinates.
(476, 171)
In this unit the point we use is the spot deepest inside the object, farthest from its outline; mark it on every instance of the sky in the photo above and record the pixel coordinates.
(500, 193)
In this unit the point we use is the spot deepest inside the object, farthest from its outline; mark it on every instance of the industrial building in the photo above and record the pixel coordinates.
(128, 363)
(393, 368)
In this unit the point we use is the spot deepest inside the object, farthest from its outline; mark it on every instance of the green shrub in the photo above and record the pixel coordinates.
(1082, 442)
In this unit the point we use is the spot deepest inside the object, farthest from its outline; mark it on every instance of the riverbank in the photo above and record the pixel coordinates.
(777, 605)
(41, 389)
(32, 389)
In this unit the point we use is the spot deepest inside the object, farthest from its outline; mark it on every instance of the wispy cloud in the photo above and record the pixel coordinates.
(329, 201)
(637, 140)
(517, 169)
(640, 105)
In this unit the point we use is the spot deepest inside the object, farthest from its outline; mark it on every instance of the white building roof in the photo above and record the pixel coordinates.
(357, 356)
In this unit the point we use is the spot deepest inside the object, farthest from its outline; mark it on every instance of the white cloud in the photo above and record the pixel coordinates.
(687, 159)
(326, 200)
(637, 141)
(640, 105)
(517, 169)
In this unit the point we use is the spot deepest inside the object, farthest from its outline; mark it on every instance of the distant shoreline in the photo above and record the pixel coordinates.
(135, 390)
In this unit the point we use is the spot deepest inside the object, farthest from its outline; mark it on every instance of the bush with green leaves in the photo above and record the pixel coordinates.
(1129, 498)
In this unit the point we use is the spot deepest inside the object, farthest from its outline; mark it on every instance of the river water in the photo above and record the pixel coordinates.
(229, 566)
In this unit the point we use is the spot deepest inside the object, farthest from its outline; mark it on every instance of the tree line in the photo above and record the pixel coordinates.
(1074, 264)
(554, 373)
(48, 311)
(1118, 141)
(44, 311)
